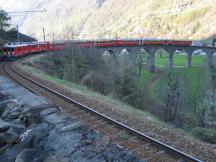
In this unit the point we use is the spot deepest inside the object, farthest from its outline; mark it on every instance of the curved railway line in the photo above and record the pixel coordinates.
(145, 147)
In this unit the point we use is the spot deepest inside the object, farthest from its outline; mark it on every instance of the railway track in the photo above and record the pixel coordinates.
(144, 146)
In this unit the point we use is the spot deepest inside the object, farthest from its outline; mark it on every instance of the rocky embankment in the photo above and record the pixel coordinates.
(33, 130)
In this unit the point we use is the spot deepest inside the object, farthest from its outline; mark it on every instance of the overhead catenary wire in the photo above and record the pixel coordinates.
(19, 12)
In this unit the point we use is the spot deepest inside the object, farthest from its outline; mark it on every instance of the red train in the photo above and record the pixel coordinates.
(13, 51)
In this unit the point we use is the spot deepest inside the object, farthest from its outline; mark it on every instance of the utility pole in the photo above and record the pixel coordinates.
(54, 48)
(72, 57)
(44, 35)
(18, 36)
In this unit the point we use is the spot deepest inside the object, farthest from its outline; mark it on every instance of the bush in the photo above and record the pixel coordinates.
(205, 134)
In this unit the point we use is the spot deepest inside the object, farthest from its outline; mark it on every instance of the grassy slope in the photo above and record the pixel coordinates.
(179, 60)
(83, 90)
(194, 74)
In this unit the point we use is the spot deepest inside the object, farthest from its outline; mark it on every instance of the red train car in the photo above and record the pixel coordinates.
(179, 42)
(33, 48)
(84, 44)
(57, 46)
(44, 46)
(117, 42)
(106, 43)
(128, 42)
(153, 42)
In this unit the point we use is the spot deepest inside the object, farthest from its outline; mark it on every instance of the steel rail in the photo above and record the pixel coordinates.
(162, 145)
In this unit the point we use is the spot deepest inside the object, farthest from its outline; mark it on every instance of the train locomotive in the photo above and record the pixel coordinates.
(12, 51)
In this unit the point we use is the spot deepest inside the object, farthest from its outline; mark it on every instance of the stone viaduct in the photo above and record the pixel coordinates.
(152, 49)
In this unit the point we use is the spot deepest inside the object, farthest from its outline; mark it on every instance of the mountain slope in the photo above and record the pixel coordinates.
(11, 36)
(185, 19)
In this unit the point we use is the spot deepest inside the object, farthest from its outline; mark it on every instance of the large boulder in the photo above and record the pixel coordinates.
(2, 141)
(10, 153)
(58, 119)
(33, 113)
(18, 126)
(97, 147)
(57, 159)
(11, 137)
(27, 137)
(11, 112)
(4, 126)
(71, 127)
(29, 155)
(13, 115)
(48, 111)
(114, 152)
(60, 144)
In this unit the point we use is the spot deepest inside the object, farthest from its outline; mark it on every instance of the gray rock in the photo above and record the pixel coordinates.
(2, 141)
(71, 127)
(28, 155)
(11, 137)
(40, 137)
(18, 127)
(37, 108)
(79, 156)
(25, 119)
(58, 118)
(11, 112)
(27, 137)
(3, 103)
(5, 114)
(97, 147)
(33, 113)
(40, 159)
(57, 159)
(13, 115)
(61, 144)
(2, 108)
(48, 111)
(4, 126)
(116, 153)
(10, 153)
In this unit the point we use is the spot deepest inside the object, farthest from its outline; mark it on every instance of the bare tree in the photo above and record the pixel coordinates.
(140, 60)
(173, 102)
(208, 108)
(212, 74)
(4, 19)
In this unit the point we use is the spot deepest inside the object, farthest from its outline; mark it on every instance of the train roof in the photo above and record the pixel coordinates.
(18, 44)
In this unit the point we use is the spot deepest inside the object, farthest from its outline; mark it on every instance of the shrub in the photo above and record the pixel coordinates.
(205, 134)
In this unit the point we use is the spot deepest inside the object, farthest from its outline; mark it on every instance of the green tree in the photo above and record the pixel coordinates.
(4, 20)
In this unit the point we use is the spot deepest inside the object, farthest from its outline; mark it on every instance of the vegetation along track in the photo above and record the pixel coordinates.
(146, 147)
